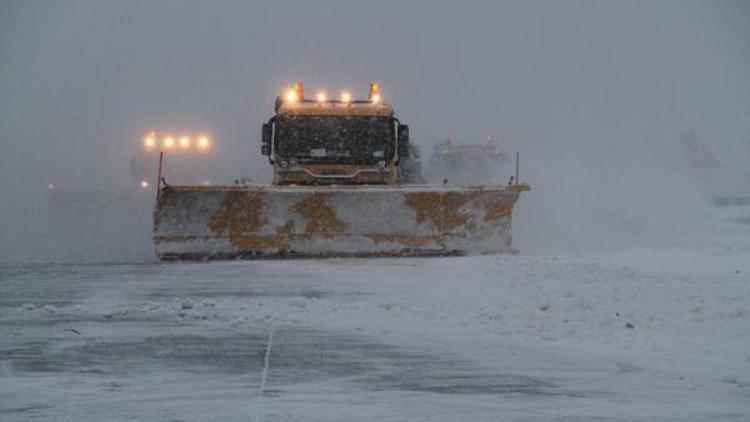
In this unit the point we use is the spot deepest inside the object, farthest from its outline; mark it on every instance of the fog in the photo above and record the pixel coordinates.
(592, 94)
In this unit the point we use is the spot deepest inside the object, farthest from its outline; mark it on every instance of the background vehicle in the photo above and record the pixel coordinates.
(467, 164)
(725, 187)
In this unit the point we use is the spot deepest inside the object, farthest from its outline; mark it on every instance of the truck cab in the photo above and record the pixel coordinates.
(341, 141)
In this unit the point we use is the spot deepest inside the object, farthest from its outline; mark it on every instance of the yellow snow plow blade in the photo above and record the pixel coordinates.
(246, 222)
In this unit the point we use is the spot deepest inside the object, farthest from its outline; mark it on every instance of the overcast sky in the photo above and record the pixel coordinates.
(80, 81)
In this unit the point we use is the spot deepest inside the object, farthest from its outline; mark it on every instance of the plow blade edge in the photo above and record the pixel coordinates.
(232, 222)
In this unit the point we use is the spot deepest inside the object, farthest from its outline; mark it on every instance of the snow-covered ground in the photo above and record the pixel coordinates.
(658, 329)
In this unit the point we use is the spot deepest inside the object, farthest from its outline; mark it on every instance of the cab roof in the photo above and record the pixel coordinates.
(333, 108)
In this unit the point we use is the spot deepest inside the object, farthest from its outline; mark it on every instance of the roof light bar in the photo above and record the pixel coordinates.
(296, 94)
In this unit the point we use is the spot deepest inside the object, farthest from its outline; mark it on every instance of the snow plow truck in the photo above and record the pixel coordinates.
(337, 191)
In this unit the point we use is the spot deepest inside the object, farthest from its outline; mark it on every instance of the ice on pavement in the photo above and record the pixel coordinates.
(656, 330)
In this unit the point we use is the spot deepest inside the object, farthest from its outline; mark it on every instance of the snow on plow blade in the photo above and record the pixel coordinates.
(237, 222)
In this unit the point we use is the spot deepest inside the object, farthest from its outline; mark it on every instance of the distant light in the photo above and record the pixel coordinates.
(144, 184)
(321, 96)
(149, 141)
(204, 142)
(346, 97)
(168, 142)
(185, 142)
(291, 96)
(206, 183)
(375, 98)
(50, 186)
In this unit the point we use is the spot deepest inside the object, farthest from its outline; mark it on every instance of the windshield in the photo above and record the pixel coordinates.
(334, 139)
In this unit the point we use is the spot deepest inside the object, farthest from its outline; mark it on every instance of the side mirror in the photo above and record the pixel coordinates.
(403, 140)
(265, 148)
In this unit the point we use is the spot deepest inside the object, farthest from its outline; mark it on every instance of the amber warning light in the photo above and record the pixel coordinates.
(296, 94)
